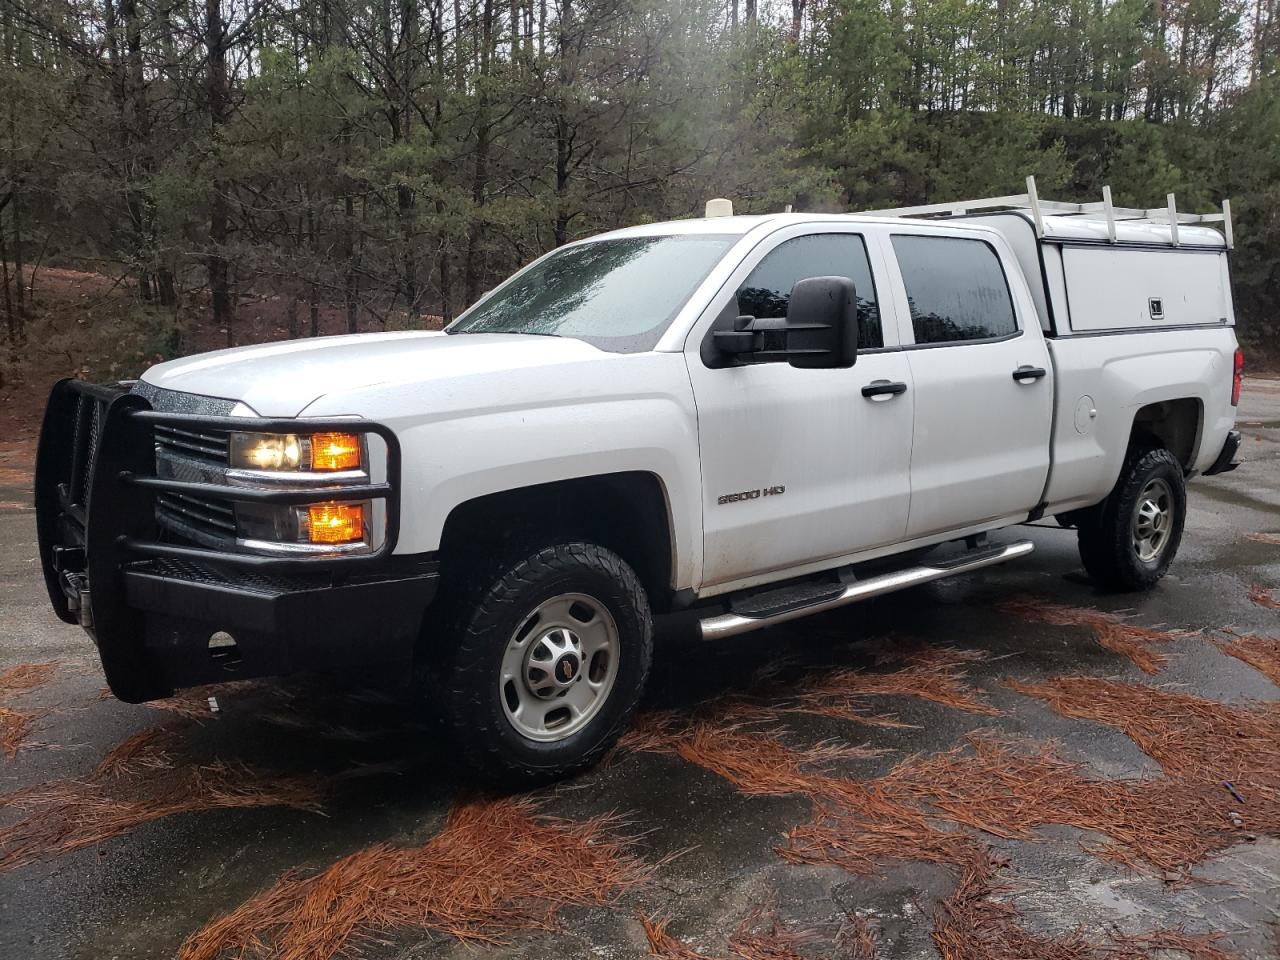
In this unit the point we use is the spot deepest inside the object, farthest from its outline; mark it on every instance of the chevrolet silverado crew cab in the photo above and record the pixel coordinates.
(752, 418)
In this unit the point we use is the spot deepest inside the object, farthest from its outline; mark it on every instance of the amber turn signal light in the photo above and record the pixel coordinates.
(335, 522)
(335, 451)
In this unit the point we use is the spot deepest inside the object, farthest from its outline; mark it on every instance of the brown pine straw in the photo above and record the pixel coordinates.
(858, 940)
(1263, 597)
(1111, 630)
(1261, 653)
(1006, 789)
(1272, 538)
(756, 762)
(25, 676)
(497, 867)
(1192, 738)
(139, 781)
(930, 673)
(14, 728)
(971, 925)
(760, 936)
(1011, 789)
(193, 703)
(15, 725)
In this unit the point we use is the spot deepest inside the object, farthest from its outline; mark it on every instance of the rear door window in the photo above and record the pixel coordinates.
(956, 288)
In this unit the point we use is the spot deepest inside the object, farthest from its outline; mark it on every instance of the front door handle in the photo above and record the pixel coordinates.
(1027, 373)
(883, 388)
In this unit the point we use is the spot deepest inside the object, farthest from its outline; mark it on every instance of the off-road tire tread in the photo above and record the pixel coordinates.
(1104, 539)
(492, 596)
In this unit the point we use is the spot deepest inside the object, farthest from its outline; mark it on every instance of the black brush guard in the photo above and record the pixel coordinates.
(166, 615)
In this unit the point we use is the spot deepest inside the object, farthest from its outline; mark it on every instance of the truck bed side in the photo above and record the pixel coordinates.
(1106, 384)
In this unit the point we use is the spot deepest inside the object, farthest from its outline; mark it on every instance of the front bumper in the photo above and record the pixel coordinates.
(167, 614)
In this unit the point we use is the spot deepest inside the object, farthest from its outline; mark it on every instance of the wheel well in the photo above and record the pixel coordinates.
(1172, 424)
(625, 512)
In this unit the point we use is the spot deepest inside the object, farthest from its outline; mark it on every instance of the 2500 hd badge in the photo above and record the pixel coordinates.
(775, 491)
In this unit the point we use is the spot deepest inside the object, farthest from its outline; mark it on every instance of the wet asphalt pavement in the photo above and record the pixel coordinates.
(141, 894)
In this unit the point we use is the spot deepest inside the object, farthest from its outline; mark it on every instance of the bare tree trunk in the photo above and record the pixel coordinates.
(219, 212)
(11, 320)
(480, 173)
(405, 200)
(351, 284)
(446, 279)
(19, 266)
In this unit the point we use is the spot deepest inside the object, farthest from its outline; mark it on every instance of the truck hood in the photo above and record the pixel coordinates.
(283, 379)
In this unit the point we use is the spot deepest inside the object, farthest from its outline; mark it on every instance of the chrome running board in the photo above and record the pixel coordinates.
(731, 624)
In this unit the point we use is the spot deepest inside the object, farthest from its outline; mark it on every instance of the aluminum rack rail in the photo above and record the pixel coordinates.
(1031, 201)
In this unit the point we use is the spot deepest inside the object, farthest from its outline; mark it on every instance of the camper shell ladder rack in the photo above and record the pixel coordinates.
(1040, 208)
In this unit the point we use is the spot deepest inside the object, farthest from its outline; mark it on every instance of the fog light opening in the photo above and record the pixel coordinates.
(223, 648)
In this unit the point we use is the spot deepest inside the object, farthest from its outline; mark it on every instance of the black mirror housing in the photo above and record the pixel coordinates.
(822, 323)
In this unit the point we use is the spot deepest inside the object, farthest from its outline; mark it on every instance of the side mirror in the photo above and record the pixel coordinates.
(822, 323)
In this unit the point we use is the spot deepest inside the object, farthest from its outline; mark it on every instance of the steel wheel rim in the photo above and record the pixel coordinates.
(559, 667)
(1153, 520)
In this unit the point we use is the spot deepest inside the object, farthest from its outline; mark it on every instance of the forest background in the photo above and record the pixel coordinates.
(182, 174)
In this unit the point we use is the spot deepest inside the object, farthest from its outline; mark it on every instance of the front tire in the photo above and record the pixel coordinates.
(1134, 535)
(549, 663)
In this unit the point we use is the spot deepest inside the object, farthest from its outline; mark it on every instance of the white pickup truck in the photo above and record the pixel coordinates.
(749, 417)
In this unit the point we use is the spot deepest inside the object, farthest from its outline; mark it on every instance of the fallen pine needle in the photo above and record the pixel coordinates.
(1263, 597)
(14, 728)
(15, 725)
(25, 676)
(138, 781)
(1111, 630)
(760, 935)
(496, 868)
(1261, 653)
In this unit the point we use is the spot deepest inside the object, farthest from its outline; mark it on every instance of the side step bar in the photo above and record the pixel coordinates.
(731, 624)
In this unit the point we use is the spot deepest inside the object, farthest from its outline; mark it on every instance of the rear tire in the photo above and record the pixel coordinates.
(549, 661)
(1132, 537)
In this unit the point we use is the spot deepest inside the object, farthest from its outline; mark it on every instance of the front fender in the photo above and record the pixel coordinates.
(480, 436)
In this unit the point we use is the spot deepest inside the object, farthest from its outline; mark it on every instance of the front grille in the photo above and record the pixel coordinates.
(84, 446)
(202, 518)
(209, 446)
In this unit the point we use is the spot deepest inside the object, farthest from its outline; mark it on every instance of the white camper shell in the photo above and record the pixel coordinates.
(1103, 269)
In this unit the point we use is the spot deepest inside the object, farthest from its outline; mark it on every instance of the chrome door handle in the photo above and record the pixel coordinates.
(1026, 373)
(883, 388)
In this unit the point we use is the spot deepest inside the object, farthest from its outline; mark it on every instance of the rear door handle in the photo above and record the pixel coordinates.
(1027, 373)
(883, 388)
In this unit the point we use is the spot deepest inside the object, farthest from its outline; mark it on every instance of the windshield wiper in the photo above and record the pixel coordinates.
(526, 333)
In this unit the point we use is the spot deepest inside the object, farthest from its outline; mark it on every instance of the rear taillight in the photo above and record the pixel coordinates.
(1237, 378)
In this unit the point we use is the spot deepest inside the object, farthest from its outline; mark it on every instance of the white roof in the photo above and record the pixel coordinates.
(1056, 227)
(742, 225)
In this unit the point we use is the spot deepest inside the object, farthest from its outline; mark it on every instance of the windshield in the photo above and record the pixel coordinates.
(618, 295)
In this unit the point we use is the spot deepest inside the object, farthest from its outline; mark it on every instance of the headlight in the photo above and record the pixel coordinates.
(331, 523)
(317, 453)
